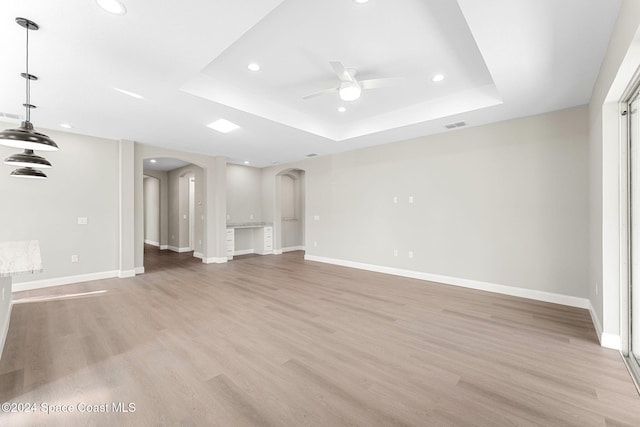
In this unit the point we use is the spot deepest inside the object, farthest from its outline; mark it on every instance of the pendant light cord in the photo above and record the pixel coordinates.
(28, 77)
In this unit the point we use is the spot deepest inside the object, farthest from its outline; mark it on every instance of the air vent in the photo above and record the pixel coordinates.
(9, 116)
(455, 125)
(311, 155)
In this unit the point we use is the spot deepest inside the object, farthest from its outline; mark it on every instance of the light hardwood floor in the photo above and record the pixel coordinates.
(279, 341)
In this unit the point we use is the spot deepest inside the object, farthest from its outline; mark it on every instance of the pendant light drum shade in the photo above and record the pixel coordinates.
(27, 159)
(26, 137)
(28, 173)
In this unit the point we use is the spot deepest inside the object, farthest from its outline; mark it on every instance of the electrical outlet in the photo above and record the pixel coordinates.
(228, 216)
(410, 199)
(395, 199)
(82, 220)
(315, 244)
(316, 217)
(410, 254)
(251, 216)
(395, 252)
(74, 258)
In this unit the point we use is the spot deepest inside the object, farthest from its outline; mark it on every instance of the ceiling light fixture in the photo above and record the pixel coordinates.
(27, 159)
(131, 94)
(153, 160)
(112, 6)
(223, 126)
(438, 78)
(253, 67)
(28, 173)
(25, 136)
(66, 126)
(341, 109)
(350, 91)
(361, 1)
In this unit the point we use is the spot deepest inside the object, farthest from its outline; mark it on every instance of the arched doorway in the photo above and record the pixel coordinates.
(289, 220)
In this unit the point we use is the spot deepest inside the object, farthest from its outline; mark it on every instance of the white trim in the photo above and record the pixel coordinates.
(277, 251)
(606, 339)
(244, 252)
(465, 283)
(179, 250)
(125, 274)
(59, 281)
(292, 248)
(611, 341)
(214, 260)
(139, 270)
(197, 255)
(5, 329)
(152, 243)
(164, 247)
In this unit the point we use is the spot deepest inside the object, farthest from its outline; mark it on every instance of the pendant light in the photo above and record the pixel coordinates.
(28, 173)
(27, 159)
(25, 136)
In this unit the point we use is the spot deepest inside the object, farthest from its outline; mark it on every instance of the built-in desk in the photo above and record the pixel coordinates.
(249, 238)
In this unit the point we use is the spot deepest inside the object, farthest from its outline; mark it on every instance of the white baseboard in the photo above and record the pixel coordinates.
(465, 283)
(68, 280)
(151, 242)
(124, 274)
(164, 247)
(5, 329)
(244, 252)
(214, 260)
(139, 270)
(611, 341)
(292, 248)
(606, 339)
(277, 251)
(197, 255)
(179, 250)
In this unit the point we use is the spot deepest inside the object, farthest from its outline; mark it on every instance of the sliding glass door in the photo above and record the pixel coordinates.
(633, 349)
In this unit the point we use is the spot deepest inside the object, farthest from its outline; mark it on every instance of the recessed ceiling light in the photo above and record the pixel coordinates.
(224, 126)
(153, 160)
(360, 1)
(246, 162)
(341, 109)
(112, 6)
(131, 94)
(438, 78)
(253, 67)
(66, 126)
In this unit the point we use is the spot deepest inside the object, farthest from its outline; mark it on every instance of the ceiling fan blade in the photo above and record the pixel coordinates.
(378, 83)
(321, 92)
(341, 71)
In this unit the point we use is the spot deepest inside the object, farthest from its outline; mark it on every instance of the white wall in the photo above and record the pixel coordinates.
(502, 204)
(82, 183)
(605, 143)
(152, 210)
(244, 194)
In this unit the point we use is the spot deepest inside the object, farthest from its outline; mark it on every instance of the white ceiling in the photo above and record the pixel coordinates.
(501, 58)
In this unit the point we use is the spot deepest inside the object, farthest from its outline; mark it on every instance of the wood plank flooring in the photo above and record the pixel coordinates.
(279, 341)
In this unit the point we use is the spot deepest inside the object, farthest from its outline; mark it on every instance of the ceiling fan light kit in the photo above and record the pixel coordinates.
(350, 88)
(25, 136)
(350, 91)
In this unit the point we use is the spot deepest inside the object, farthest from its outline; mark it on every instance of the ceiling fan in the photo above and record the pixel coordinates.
(351, 88)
